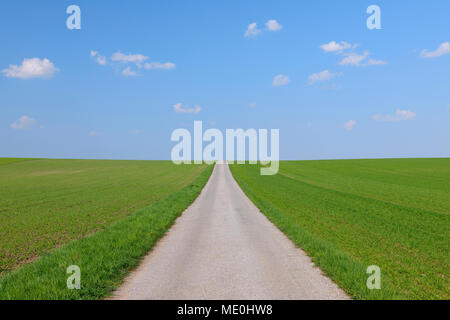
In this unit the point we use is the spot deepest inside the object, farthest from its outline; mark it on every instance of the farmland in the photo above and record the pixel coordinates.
(45, 204)
(350, 214)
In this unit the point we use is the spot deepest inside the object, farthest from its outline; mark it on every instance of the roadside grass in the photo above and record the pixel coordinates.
(350, 214)
(46, 203)
(105, 257)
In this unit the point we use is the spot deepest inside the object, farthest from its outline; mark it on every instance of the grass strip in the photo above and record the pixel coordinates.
(105, 258)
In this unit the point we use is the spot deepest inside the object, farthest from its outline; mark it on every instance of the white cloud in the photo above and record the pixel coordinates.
(127, 60)
(127, 72)
(349, 125)
(135, 131)
(134, 58)
(444, 48)
(159, 65)
(374, 62)
(179, 109)
(252, 104)
(321, 76)
(398, 116)
(359, 60)
(273, 25)
(354, 59)
(351, 58)
(98, 58)
(252, 30)
(280, 80)
(139, 59)
(23, 122)
(333, 46)
(94, 133)
(31, 68)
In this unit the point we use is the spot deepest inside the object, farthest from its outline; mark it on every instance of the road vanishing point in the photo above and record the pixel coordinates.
(222, 247)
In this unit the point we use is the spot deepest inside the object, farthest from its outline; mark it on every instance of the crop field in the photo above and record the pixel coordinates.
(45, 204)
(350, 214)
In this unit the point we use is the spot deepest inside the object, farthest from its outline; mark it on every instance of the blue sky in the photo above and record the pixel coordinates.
(391, 98)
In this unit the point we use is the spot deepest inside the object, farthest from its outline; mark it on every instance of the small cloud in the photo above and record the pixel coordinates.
(280, 80)
(133, 58)
(139, 60)
(333, 46)
(349, 125)
(159, 65)
(98, 58)
(179, 109)
(252, 104)
(443, 49)
(354, 59)
(398, 116)
(273, 25)
(321, 76)
(351, 58)
(23, 122)
(136, 132)
(252, 30)
(94, 133)
(31, 68)
(374, 62)
(359, 60)
(127, 72)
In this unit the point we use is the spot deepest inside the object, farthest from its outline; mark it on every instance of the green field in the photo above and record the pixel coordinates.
(105, 215)
(349, 214)
(107, 256)
(12, 160)
(47, 203)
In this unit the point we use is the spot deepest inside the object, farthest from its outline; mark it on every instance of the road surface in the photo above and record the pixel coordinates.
(223, 247)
